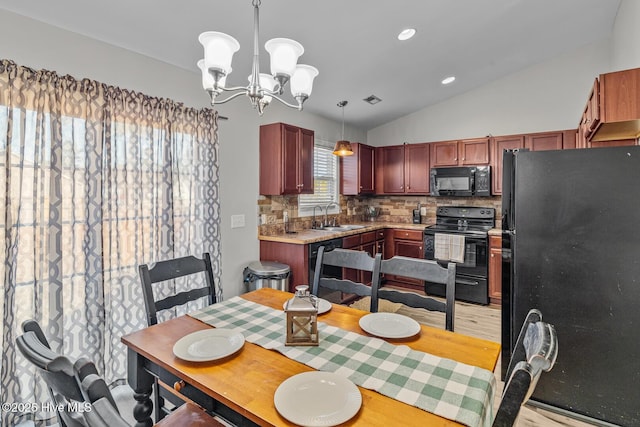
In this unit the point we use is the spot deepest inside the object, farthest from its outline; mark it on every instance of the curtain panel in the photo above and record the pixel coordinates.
(95, 180)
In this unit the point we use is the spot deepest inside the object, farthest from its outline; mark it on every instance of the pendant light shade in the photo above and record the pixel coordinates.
(343, 147)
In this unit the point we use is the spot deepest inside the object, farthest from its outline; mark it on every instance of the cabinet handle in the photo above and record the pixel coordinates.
(402, 187)
(463, 159)
(492, 255)
(361, 187)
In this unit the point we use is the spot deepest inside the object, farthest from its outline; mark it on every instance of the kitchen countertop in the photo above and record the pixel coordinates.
(304, 237)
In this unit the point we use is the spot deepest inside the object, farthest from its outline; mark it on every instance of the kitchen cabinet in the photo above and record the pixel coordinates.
(371, 242)
(555, 140)
(296, 256)
(404, 242)
(286, 159)
(402, 169)
(498, 145)
(617, 108)
(466, 152)
(357, 171)
(495, 270)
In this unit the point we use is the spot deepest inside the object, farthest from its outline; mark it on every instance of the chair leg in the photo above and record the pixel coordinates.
(158, 401)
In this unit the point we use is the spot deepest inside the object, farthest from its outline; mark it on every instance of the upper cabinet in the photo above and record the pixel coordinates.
(460, 152)
(357, 171)
(542, 141)
(498, 145)
(286, 159)
(402, 169)
(612, 112)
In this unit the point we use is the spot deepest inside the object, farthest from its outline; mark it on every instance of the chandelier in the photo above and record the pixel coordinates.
(216, 66)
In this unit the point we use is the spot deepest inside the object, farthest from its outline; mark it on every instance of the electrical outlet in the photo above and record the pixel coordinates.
(237, 221)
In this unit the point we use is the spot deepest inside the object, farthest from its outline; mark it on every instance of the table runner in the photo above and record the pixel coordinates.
(453, 390)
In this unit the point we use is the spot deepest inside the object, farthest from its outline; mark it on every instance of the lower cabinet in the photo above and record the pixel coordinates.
(495, 269)
(371, 242)
(407, 243)
(296, 256)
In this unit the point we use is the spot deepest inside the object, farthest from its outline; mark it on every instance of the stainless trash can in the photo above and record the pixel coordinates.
(267, 274)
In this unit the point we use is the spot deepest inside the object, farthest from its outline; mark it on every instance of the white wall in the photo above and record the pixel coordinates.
(38, 45)
(547, 96)
(625, 52)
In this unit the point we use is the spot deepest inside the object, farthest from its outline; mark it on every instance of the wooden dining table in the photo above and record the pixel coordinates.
(241, 387)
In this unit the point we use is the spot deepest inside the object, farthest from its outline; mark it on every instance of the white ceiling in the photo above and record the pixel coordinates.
(352, 42)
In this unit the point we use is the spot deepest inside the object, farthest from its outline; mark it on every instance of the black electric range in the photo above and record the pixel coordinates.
(474, 224)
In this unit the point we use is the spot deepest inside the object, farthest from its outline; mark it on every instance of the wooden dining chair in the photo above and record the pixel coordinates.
(60, 374)
(151, 275)
(535, 352)
(345, 258)
(422, 269)
(104, 413)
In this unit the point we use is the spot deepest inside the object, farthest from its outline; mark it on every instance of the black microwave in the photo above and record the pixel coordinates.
(464, 181)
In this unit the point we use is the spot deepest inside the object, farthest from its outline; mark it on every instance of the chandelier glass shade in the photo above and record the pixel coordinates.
(284, 53)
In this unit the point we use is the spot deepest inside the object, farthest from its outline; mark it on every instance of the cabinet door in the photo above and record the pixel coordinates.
(614, 143)
(444, 153)
(416, 169)
(544, 141)
(370, 248)
(410, 249)
(366, 168)
(305, 163)
(498, 145)
(392, 168)
(290, 164)
(593, 109)
(474, 151)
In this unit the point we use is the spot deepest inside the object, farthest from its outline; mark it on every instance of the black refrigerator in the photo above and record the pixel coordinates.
(571, 248)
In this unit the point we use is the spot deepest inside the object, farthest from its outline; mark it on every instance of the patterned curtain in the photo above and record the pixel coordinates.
(95, 180)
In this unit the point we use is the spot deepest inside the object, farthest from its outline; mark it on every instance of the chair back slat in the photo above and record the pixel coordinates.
(61, 375)
(425, 270)
(162, 271)
(346, 258)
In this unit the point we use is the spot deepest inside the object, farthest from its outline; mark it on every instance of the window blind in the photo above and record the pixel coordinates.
(325, 178)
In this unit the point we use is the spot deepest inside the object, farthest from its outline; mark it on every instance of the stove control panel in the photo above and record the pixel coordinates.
(466, 212)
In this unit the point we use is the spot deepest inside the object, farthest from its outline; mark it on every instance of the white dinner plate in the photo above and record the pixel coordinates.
(209, 344)
(317, 398)
(323, 305)
(389, 325)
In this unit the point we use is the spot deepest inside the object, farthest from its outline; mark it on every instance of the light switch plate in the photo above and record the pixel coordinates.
(237, 221)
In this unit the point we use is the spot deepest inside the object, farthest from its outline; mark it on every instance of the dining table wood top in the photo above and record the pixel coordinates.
(246, 381)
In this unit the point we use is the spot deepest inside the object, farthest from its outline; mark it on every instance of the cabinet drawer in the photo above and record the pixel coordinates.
(368, 237)
(408, 235)
(351, 241)
(495, 242)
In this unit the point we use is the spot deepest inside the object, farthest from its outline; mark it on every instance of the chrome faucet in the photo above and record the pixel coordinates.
(326, 211)
(314, 223)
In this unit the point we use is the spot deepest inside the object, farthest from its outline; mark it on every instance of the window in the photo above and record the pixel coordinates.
(325, 180)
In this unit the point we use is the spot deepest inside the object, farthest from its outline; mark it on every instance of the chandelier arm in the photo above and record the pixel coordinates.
(235, 95)
(297, 107)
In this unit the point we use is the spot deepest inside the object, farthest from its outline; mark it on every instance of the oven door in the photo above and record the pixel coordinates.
(475, 254)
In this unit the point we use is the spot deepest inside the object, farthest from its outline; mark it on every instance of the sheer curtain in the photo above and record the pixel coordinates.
(95, 180)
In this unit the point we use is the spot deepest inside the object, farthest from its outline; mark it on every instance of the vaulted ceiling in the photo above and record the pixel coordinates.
(353, 43)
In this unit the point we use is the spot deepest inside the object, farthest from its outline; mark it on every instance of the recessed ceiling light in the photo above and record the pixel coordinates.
(407, 34)
(448, 80)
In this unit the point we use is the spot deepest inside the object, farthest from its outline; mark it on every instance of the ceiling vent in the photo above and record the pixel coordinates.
(372, 99)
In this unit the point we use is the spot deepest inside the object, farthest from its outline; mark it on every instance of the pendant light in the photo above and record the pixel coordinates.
(343, 147)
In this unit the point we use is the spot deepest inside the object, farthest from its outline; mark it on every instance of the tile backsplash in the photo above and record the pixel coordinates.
(396, 209)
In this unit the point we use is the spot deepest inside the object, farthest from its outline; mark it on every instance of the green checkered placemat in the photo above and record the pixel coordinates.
(453, 390)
